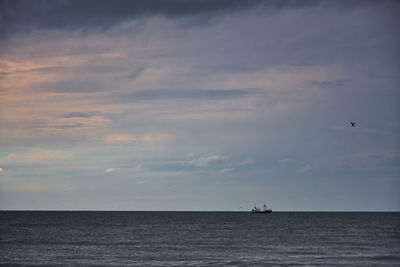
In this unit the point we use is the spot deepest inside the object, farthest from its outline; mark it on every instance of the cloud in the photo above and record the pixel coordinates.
(68, 81)
(209, 161)
(32, 187)
(75, 115)
(109, 170)
(73, 15)
(119, 138)
(225, 170)
(192, 164)
(283, 77)
(285, 161)
(228, 83)
(38, 154)
(1, 169)
(126, 138)
(194, 94)
(329, 84)
(154, 138)
(245, 162)
(35, 186)
(379, 155)
(304, 169)
(383, 156)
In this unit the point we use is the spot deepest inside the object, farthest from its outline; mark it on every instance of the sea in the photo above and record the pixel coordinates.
(108, 238)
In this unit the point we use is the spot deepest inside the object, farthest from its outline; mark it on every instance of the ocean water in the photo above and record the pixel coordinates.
(67, 238)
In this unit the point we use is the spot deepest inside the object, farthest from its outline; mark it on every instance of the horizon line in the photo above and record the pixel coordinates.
(238, 211)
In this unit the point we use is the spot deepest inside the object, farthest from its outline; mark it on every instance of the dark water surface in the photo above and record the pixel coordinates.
(69, 238)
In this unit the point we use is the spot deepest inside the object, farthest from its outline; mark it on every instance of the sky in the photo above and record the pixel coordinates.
(199, 105)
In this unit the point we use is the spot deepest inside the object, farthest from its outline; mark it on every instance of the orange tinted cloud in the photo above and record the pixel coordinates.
(109, 170)
(38, 154)
(125, 138)
(119, 138)
(32, 187)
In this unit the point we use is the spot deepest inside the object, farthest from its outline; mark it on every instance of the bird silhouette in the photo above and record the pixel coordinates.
(353, 123)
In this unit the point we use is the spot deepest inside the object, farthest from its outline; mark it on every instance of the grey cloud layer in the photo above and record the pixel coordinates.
(272, 81)
(103, 14)
(188, 94)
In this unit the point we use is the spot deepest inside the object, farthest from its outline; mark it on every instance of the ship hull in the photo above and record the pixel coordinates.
(262, 211)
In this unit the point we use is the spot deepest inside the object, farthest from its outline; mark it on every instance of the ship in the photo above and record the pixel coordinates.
(264, 210)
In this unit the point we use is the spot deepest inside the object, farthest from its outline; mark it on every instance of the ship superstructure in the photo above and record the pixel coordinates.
(265, 209)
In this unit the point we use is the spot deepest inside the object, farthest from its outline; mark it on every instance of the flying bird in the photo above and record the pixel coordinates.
(353, 123)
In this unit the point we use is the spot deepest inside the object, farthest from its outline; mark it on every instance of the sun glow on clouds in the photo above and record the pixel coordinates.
(125, 138)
(37, 154)
(32, 187)
(119, 138)
(109, 170)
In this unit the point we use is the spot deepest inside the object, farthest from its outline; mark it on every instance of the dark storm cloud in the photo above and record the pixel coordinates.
(24, 15)
(103, 14)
